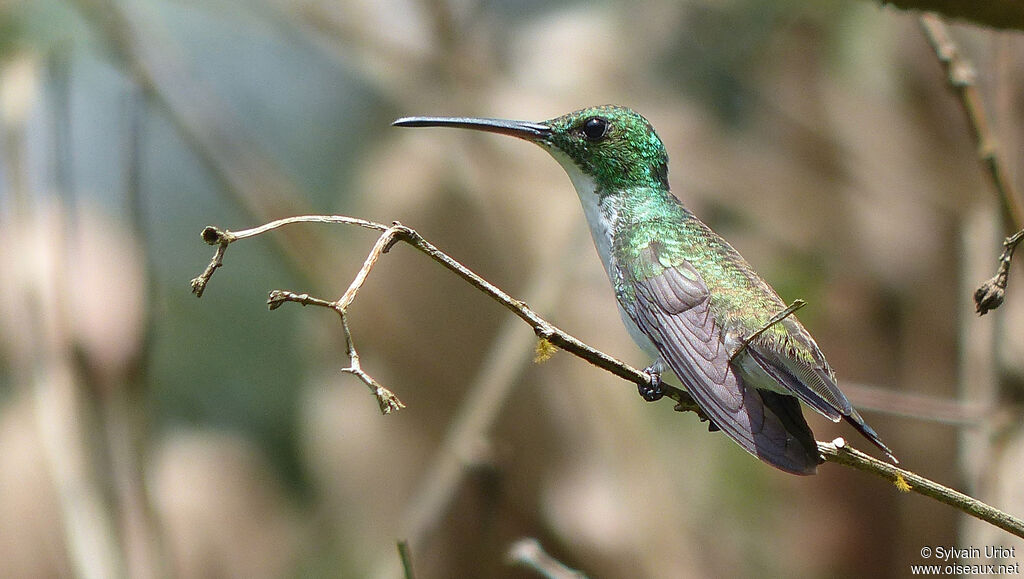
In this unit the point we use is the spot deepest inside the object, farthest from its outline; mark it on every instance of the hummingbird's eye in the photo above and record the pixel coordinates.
(595, 128)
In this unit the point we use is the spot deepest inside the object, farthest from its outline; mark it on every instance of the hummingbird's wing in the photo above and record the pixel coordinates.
(672, 306)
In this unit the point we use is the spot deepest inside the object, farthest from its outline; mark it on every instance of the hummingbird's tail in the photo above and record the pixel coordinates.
(815, 386)
(788, 413)
(855, 420)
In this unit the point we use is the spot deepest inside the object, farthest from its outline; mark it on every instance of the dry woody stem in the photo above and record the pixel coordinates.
(836, 451)
(961, 77)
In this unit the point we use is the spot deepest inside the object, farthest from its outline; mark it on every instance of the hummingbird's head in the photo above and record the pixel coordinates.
(614, 146)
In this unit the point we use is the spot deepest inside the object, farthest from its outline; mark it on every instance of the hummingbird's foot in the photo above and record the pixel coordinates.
(652, 391)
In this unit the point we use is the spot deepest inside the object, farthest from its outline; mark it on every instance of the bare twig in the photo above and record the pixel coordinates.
(223, 238)
(398, 232)
(546, 330)
(528, 552)
(386, 399)
(961, 76)
(793, 307)
(836, 451)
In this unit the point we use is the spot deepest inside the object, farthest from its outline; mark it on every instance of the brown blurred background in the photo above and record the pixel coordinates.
(146, 433)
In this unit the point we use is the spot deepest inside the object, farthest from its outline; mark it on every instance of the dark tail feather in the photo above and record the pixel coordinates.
(787, 409)
(857, 422)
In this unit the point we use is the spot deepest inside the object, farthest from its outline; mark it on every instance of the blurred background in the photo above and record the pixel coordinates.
(147, 433)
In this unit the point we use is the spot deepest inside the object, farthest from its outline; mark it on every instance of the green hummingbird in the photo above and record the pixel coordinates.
(686, 296)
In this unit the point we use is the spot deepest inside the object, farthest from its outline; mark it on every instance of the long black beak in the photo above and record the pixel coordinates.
(522, 129)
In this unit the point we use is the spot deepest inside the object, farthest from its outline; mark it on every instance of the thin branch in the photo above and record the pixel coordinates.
(836, 451)
(546, 330)
(793, 307)
(398, 232)
(384, 243)
(223, 238)
(961, 76)
(386, 399)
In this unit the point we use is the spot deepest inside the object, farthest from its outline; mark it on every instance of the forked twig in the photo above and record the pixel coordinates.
(222, 238)
(386, 399)
(397, 232)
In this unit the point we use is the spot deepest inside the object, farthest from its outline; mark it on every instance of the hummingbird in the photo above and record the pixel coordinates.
(686, 296)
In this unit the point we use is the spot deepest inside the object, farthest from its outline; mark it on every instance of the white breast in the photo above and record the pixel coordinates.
(601, 219)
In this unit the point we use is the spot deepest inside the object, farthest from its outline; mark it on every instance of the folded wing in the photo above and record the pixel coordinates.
(673, 307)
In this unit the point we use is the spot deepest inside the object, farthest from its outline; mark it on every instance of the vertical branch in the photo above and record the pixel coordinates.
(126, 414)
(46, 362)
(387, 401)
(961, 77)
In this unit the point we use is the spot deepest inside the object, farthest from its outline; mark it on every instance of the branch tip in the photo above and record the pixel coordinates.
(990, 294)
(387, 401)
(212, 235)
(275, 299)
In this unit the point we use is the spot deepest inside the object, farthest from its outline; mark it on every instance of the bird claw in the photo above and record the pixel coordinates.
(651, 391)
